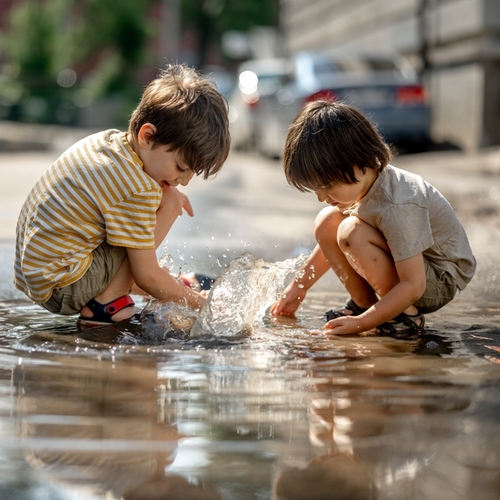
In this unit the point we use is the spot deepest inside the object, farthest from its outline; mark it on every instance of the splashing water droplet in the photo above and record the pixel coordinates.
(241, 296)
(166, 261)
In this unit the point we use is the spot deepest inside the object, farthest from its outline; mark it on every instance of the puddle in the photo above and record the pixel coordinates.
(232, 404)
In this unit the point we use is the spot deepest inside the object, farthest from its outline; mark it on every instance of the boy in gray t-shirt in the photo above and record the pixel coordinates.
(391, 238)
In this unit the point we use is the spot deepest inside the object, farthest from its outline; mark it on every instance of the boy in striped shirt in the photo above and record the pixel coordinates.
(89, 229)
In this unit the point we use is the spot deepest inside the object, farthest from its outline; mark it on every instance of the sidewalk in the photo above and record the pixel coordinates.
(22, 137)
(455, 173)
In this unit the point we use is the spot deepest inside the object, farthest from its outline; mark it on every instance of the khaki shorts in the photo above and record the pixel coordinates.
(105, 263)
(441, 288)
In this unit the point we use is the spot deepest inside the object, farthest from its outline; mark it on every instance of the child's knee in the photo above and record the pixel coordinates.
(351, 233)
(326, 223)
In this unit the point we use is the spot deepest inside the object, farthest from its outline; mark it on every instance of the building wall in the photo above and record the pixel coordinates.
(455, 43)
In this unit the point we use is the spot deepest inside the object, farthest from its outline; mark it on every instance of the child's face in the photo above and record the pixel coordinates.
(345, 195)
(340, 195)
(164, 166)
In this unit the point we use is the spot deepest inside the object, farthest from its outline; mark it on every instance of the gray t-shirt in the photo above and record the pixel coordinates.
(414, 218)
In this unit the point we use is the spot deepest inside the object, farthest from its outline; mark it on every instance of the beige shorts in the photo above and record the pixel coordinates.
(105, 263)
(440, 289)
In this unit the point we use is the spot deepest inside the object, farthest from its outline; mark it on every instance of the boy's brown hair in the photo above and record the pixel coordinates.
(190, 116)
(326, 141)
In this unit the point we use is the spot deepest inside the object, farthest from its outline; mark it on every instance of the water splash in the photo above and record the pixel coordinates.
(242, 295)
(239, 298)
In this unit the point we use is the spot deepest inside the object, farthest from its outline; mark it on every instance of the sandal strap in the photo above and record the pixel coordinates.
(104, 312)
(357, 310)
(351, 305)
(206, 282)
(408, 320)
(185, 281)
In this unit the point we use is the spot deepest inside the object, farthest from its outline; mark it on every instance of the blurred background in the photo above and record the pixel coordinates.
(427, 72)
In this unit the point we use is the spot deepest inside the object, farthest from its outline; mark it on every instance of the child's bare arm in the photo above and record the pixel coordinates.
(186, 204)
(158, 282)
(315, 266)
(411, 286)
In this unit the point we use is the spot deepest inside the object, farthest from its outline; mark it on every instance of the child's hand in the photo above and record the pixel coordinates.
(289, 302)
(186, 204)
(344, 325)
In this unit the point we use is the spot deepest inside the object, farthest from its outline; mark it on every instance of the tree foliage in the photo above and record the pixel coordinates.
(211, 18)
(102, 43)
(46, 40)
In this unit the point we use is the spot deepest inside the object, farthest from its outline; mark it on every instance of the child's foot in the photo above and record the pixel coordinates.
(97, 314)
(197, 282)
(403, 323)
(350, 309)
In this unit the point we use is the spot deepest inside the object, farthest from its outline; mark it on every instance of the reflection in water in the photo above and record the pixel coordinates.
(137, 410)
(101, 427)
(324, 475)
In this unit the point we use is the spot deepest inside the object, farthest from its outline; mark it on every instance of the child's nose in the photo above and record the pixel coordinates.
(321, 196)
(185, 178)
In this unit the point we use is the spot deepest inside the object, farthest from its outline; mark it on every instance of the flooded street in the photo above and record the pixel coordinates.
(253, 407)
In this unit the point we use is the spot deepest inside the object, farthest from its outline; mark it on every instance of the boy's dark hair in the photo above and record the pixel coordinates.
(326, 141)
(189, 114)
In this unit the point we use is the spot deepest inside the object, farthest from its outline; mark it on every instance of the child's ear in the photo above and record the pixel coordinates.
(144, 137)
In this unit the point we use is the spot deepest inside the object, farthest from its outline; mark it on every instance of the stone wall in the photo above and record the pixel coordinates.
(455, 43)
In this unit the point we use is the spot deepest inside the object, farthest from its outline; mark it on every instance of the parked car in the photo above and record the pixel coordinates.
(386, 88)
(256, 80)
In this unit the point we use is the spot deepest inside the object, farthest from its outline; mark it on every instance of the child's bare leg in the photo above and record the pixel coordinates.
(366, 251)
(120, 285)
(326, 228)
(123, 282)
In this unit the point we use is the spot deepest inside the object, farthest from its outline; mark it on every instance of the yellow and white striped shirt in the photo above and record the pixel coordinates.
(97, 190)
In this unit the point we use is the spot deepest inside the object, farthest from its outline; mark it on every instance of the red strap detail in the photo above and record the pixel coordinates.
(119, 304)
(185, 281)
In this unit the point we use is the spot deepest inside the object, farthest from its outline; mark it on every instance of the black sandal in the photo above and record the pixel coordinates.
(197, 281)
(336, 313)
(205, 282)
(103, 312)
(403, 323)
